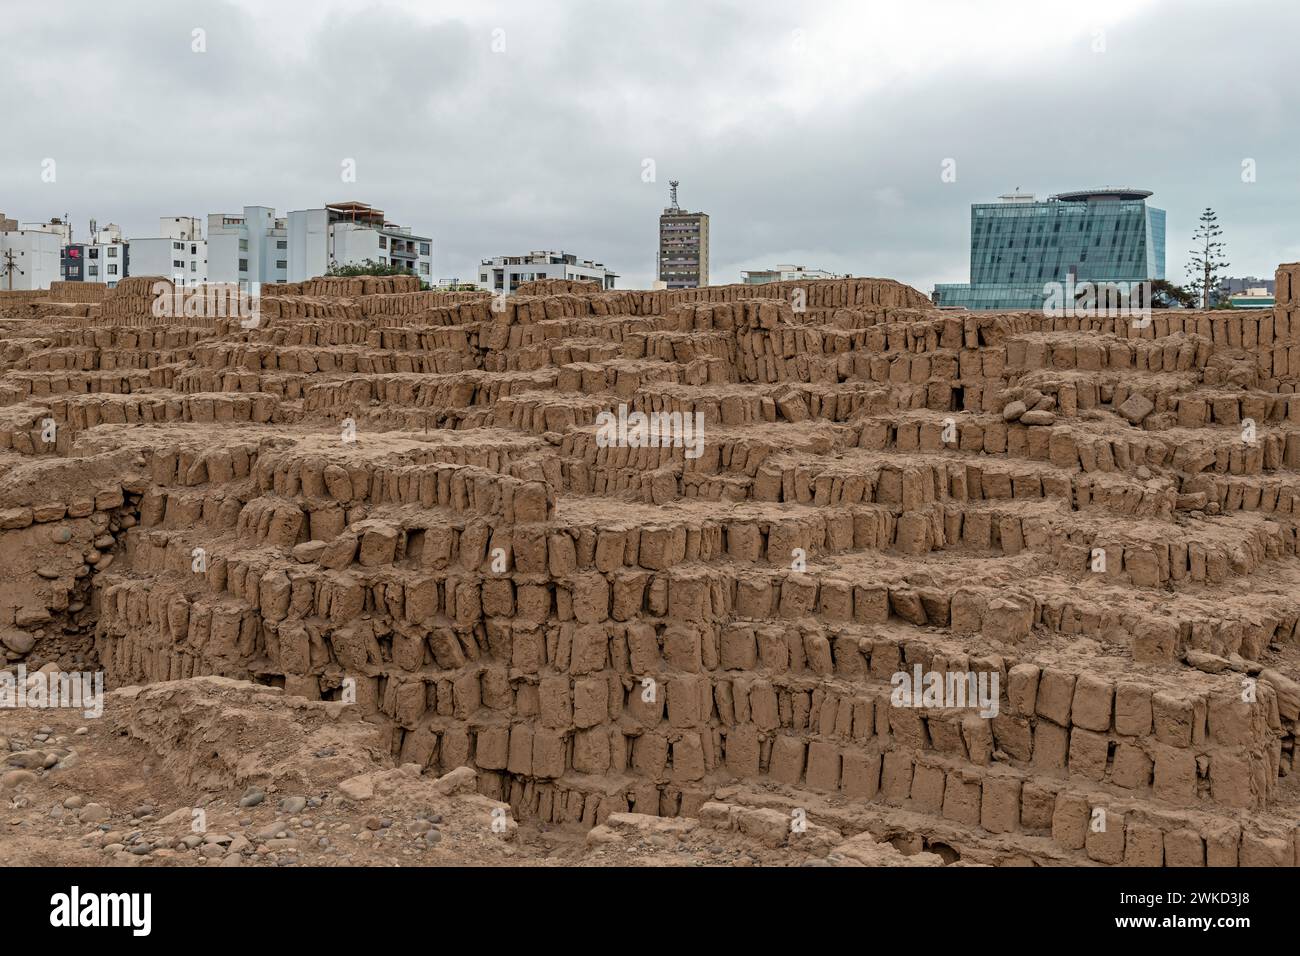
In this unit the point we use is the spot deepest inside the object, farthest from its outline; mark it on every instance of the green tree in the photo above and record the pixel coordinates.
(372, 268)
(1165, 295)
(1207, 258)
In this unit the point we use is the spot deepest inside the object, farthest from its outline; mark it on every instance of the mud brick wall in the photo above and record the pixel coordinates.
(78, 291)
(1072, 504)
(557, 286)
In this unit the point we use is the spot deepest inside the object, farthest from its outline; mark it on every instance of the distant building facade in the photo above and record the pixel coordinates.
(29, 258)
(1233, 286)
(1019, 244)
(1257, 298)
(249, 248)
(505, 273)
(683, 247)
(105, 257)
(785, 273)
(351, 233)
(179, 251)
(56, 226)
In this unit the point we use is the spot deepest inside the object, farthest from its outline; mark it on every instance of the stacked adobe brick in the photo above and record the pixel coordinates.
(1071, 503)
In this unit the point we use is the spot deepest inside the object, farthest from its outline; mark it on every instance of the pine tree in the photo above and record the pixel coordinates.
(1207, 258)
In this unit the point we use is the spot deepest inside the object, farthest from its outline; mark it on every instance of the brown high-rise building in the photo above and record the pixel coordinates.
(683, 246)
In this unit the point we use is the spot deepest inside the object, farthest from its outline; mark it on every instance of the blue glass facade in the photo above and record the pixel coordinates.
(1018, 245)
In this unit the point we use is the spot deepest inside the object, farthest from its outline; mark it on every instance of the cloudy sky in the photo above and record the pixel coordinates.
(814, 133)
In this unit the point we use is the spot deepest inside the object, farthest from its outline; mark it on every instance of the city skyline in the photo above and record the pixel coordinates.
(860, 158)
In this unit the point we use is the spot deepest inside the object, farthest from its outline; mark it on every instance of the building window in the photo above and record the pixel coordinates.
(424, 268)
(281, 244)
(243, 245)
(383, 242)
(94, 252)
(424, 248)
(281, 264)
(112, 269)
(94, 270)
(178, 245)
(178, 263)
(243, 265)
(112, 252)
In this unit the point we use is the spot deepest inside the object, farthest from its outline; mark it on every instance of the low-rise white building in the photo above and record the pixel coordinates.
(249, 248)
(107, 257)
(786, 273)
(505, 273)
(179, 252)
(30, 259)
(56, 226)
(350, 234)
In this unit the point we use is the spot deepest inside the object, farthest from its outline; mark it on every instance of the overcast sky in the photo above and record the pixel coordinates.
(813, 133)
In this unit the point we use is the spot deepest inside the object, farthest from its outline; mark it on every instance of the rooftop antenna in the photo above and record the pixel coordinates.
(672, 189)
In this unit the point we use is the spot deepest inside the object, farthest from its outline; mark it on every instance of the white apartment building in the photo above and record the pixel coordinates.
(179, 253)
(249, 248)
(56, 226)
(29, 258)
(351, 233)
(785, 273)
(504, 273)
(107, 256)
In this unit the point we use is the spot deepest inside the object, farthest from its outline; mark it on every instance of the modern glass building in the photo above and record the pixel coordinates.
(1019, 244)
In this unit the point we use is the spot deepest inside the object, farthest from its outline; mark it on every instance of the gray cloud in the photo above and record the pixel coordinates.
(821, 146)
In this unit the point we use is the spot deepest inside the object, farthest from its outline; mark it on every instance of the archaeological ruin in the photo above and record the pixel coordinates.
(1004, 588)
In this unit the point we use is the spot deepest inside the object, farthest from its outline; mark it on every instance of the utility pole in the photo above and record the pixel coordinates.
(9, 267)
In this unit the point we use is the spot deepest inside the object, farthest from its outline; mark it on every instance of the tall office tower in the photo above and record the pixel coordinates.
(1018, 244)
(683, 246)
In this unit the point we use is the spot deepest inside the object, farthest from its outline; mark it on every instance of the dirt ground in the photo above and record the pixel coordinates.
(115, 791)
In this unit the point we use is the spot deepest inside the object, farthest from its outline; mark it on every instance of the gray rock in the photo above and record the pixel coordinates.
(20, 642)
(93, 813)
(292, 805)
(1203, 661)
